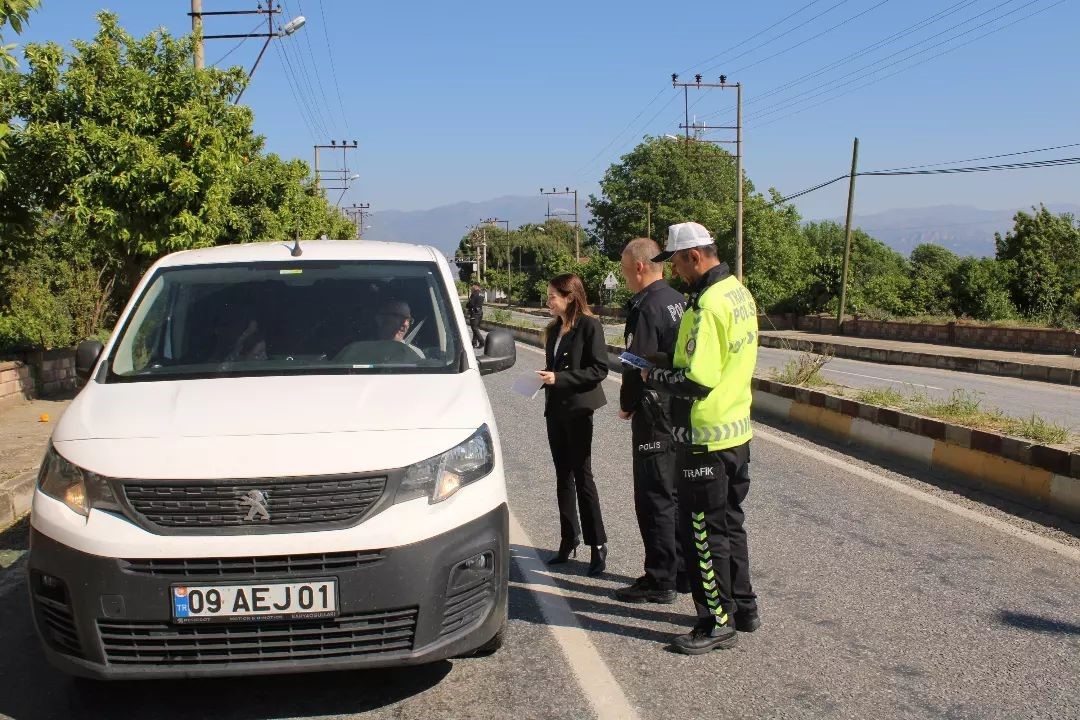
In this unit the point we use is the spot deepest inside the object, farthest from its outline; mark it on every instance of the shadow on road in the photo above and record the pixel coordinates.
(32, 689)
(618, 618)
(1037, 623)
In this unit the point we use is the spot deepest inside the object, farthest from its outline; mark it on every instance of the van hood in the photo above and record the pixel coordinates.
(279, 405)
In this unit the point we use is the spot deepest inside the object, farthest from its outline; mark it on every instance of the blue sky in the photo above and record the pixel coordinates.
(473, 100)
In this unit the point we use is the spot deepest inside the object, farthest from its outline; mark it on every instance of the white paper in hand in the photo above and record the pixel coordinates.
(527, 385)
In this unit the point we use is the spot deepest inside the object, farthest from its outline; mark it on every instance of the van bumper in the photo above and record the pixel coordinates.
(111, 618)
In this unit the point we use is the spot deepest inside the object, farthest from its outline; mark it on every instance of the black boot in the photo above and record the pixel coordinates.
(747, 622)
(598, 561)
(705, 637)
(644, 590)
(567, 548)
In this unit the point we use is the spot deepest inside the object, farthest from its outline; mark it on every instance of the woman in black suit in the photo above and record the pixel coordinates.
(576, 365)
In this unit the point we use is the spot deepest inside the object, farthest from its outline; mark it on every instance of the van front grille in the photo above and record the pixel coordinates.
(239, 505)
(252, 567)
(143, 643)
(467, 606)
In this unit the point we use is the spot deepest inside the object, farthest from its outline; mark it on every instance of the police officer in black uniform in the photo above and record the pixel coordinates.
(652, 326)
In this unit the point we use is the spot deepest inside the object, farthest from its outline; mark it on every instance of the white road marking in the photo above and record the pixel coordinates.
(593, 676)
(875, 377)
(1001, 526)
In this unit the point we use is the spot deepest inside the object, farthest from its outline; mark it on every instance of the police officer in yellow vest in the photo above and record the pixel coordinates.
(709, 381)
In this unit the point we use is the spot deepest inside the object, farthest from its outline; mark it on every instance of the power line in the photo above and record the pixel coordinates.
(714, 57)
(642, 127)
(774, 39)
(866, 50)
(317, 107)
(333, 70)
(871, 69)
(237, 45)
(987, 157)
(793, 47)
(302, 106)
(755, 35)
(810, 39)
(913, 65)
(623, 131)
(1032, 164)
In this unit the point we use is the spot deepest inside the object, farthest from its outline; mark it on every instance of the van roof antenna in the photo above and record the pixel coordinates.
(296, 250)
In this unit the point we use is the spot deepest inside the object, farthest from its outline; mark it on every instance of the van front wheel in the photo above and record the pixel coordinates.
(491, 646)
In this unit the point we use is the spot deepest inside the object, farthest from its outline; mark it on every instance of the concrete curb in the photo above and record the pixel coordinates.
(15, 497)
(1045, 476)
(982, 366)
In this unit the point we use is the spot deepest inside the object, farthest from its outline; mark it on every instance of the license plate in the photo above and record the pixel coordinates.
(231, 603)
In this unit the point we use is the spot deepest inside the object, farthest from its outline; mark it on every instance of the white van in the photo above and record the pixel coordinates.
(284, 459)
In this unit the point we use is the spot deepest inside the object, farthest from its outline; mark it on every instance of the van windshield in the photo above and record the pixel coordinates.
(234, 320)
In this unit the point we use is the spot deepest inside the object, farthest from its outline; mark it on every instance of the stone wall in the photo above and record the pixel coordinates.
(37, 374)
(1023, 339)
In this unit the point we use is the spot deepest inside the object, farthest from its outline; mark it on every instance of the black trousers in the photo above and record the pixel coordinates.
(712, 487)
(570, 438)
(474, 323)
(656, 501)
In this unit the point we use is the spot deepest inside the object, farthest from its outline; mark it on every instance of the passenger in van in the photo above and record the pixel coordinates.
(249, 345)
(576, 357)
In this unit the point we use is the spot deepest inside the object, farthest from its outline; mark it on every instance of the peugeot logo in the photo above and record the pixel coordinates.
(255, 501)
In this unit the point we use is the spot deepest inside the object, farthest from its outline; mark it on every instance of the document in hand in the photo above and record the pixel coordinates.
(629, 358)
(527, 385)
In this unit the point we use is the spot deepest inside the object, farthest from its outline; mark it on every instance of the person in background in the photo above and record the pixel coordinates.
(576, 366)
(475, 312)
(652, 324)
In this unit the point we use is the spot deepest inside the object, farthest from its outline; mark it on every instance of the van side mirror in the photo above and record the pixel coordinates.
(86, 357)
(500, 352)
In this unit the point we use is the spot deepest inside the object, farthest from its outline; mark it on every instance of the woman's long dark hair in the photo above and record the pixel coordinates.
(570, 286)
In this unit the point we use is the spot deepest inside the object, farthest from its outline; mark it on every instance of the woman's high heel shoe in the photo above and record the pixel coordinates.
(598, 561)
(567, 548)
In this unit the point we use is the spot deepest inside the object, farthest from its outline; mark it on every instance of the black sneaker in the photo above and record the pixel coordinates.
(747, 622)
(644, 590)
(705, 637)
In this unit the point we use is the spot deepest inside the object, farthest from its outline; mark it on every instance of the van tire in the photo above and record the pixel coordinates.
(491, 646)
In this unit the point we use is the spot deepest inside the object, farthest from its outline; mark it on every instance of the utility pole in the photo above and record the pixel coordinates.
(648, 219)
(847, 237)
(357, 213)
(344, 178)
(197, 31)
(270, 11)
(737, 142)
(577, 225)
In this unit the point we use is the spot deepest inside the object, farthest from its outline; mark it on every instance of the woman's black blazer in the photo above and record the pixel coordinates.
(580, 368)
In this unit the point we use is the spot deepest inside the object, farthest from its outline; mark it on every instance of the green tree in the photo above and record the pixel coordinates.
(666, 181)
(980, 290)
(932, 268)
(124, 152)
(878, 277)
(1042, 257)
(14, 13)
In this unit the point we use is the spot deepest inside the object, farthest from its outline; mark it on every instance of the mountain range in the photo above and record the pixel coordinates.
(966, 230)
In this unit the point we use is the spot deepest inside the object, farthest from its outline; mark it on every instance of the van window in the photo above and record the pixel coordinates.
(234, 320)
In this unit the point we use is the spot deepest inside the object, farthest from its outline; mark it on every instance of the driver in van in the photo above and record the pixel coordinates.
(393, 319)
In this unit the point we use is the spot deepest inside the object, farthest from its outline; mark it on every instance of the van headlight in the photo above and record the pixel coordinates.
(77, 488)
(440, 477)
